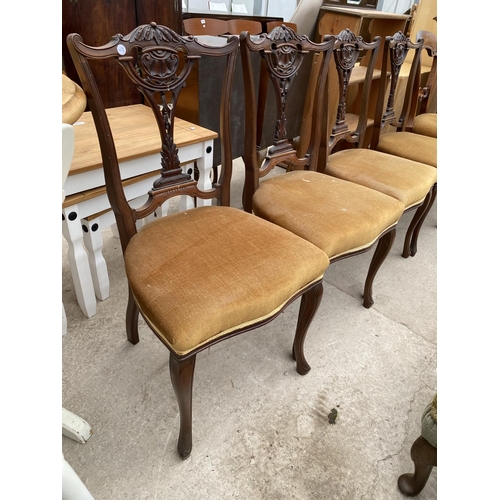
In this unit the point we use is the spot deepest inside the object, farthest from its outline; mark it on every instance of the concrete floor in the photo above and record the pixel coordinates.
(260, 430)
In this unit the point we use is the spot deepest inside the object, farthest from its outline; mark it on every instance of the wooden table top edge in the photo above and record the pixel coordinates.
(85, 159)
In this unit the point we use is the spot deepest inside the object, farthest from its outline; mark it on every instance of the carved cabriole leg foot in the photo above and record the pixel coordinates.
(308, 306)
(410, 244)
(132, 320)
(383, 247)
(181, 374)
(424, 456)
(414, 237)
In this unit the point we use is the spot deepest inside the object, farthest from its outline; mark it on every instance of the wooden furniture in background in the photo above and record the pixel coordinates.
(187, 14)
(74, 101)
(204, 26)
(332, 20)
(364, 4)
(236, 26)
(97, 21)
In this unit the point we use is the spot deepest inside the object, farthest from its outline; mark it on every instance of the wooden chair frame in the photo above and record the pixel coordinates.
(158, 61)
(280, 45)
(395, 51)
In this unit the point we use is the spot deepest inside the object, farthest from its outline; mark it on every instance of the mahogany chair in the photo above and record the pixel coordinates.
(236, 26)
(424, 120)
(189, 303)
(204, 26)
(410, 182)
(342, 218)
(414, 146)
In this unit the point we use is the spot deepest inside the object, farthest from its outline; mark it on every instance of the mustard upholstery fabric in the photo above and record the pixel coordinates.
(336, 216)
(407, 181)
(409, 145)
(200, 273)
(426, 124)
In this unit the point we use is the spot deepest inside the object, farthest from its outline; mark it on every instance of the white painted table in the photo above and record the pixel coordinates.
(86, 204)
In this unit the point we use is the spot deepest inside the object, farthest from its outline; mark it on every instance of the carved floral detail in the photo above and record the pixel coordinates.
(152, 31)
(283, 61)
(398, 55)
(348, 54)
(283, 34)
(159, 66)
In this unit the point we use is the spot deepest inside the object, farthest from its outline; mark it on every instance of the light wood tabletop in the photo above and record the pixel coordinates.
(135, 133)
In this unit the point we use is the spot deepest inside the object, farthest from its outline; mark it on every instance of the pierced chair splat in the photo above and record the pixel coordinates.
(189, 303)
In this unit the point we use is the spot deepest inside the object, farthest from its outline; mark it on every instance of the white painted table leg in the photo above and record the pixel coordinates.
(205, 164)
(186, 202)
(92, 238)
(72, 486)
(75, 427)
(79, 261)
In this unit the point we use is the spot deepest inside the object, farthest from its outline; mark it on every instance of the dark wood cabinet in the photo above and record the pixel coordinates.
(97, 21)
(366, 4)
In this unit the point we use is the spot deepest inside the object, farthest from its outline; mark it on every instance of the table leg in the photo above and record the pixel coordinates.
(75, 427)
(205, 164)
(187, 202)
(72, 486)
(92, 238)
(78, 261)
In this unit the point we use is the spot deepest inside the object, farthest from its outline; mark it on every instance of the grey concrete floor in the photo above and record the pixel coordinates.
(260, 430)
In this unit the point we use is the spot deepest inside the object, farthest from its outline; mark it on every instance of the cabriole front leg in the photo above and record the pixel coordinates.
(416, 231)
(308, 306)
(182, 374)
(383, 247)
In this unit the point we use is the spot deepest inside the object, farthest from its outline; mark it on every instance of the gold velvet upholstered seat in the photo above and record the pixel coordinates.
(342, 218)
(206, 274)
(410, 182)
